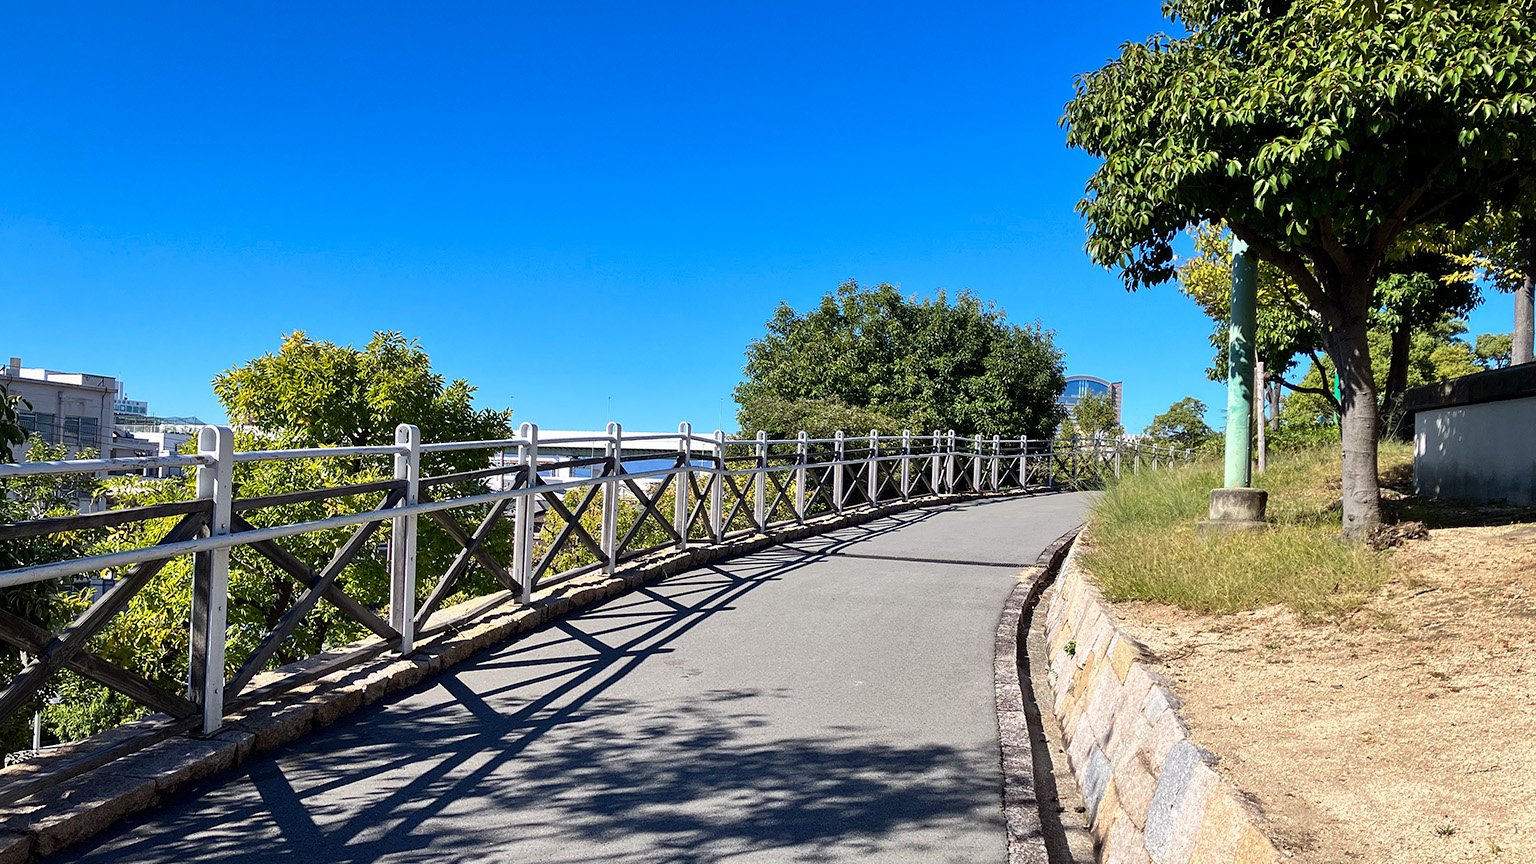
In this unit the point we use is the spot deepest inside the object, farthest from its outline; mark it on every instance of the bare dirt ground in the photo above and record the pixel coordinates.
(1403, 733)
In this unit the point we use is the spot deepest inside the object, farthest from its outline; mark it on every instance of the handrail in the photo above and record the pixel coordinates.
(760, 485)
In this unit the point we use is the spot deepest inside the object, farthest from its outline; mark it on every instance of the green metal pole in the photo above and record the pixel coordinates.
(1240, 337)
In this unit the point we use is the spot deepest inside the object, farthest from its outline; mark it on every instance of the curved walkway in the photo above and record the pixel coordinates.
(825, 700)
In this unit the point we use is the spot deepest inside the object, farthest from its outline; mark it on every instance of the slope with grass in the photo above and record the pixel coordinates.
(1376, 704)
(1143, 544)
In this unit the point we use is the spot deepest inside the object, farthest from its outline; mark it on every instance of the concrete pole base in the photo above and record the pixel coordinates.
(1235, 510)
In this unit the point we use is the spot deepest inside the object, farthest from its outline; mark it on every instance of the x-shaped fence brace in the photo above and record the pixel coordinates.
(718, 497)
(67, 649)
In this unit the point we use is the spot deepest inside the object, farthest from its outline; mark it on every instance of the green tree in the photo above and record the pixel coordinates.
(1502, 244)
(1097, 416)
(1182, 425)
(818, 417)
(1493, 350)
(929, 364)
(1319, 132)
(307, 394)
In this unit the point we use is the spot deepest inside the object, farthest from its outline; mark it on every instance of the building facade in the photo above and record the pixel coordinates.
(69, 408)
(89, 412)
(1079, 386)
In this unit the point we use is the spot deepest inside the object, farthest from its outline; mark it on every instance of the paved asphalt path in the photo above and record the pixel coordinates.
(828, 700)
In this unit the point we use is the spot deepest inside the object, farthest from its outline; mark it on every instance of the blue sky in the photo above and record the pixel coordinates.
(585, 209)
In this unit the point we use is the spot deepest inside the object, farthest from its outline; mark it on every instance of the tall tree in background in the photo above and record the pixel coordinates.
(1182, 425)
(1420, 286)
(1502, 243)
(1094, 417)
(924, 365)
(1318, 131)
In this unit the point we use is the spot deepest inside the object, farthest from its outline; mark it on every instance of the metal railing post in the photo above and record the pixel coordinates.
(906, 464)
(717, 491)
(951, 461)
(528, 455)
(997, 461)
(760, 484)
(976, 464)
(402, 540)
(872, 467)
(1117, 458)
(1050, 462)
(210, 580)
(802, 454)
(615, 464)
(684, 475)
(837, 472)
(940, 461)
(1024, 462)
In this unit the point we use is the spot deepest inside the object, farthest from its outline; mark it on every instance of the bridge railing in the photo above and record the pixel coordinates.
(509, 521)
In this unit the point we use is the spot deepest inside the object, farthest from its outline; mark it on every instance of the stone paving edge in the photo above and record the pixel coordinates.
(1021, 803)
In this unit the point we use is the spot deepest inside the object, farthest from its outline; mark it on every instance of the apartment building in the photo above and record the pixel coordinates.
(74, 409)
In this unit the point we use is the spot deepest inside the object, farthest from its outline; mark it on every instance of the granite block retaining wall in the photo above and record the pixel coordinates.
(1152, 794)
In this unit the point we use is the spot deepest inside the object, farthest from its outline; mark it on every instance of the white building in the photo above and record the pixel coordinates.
(69, 408)
(89, 412)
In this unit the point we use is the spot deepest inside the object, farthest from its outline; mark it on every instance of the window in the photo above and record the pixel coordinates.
(38, 423)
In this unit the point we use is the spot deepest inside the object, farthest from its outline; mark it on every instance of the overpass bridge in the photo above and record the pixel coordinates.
(811, 681)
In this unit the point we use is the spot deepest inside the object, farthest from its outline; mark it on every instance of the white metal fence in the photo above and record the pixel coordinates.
(712, 489)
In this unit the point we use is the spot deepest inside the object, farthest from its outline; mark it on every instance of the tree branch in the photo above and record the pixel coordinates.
(1289, 263)
(1315, 391)
(1386, 233)
(1342, 260)
(1326, 394)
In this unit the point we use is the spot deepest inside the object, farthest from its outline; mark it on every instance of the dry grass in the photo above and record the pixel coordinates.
(1142, 544)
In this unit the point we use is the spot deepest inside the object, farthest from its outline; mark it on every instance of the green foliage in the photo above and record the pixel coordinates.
(308, 394)
(1305, 125)
(1182, 425)
(1096, 416)
(1493, 350)
(920, 365)
(819, 417)
(11, 431)
(47, 604)
(1142, 543)
(314, 394)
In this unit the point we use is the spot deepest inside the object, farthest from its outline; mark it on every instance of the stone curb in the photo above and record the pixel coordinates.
(80, 805)
(1021, 806)
(1152, 794)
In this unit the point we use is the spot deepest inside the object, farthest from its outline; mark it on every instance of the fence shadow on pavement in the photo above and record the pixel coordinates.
(520, 749)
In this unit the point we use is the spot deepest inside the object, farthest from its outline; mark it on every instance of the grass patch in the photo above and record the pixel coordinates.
(1142, 544)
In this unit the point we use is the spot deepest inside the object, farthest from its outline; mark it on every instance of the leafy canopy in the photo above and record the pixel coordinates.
(1319, 130)
(1182, 425)
(306, 394)
(873, 357)
(1094, 416)
(312, 394)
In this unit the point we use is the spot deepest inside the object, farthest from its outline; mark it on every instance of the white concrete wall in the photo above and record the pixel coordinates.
(1484, 452)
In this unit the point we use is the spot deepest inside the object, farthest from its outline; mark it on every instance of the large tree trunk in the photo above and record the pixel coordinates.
(1524, 329)
(1397, 379)
(1361, 488)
